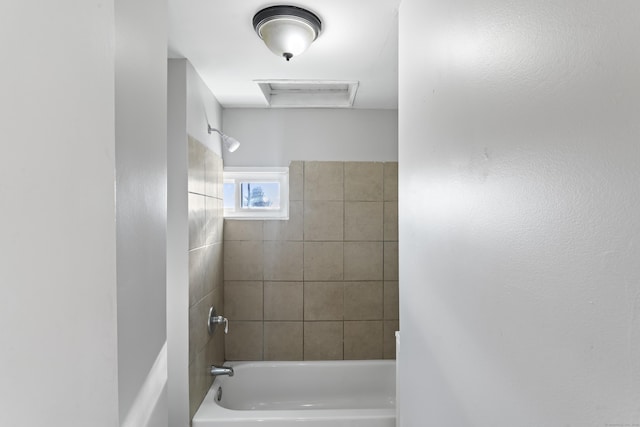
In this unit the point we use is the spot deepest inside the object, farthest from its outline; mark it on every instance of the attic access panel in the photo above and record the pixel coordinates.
(308, 93)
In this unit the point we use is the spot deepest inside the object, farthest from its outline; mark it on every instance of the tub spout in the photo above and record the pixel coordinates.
(222, 370)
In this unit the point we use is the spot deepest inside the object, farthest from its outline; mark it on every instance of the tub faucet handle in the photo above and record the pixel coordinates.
(214, 320)
(224, 320)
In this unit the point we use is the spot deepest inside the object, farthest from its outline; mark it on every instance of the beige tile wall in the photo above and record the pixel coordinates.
(205, 267)
(324, 284)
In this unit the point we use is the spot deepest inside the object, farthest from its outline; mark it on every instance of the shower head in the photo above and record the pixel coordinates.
(230, 144)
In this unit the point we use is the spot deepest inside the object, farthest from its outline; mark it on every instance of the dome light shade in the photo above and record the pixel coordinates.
(287, 30)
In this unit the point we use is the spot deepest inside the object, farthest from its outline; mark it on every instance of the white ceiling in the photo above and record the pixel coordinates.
(359, 41)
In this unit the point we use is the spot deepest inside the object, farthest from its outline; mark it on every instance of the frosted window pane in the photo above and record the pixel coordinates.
(260, 195)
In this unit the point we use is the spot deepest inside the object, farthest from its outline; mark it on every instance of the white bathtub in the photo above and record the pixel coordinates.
(319, 394)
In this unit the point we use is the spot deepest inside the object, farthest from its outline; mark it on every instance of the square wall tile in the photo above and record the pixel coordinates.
(198, 333)
(211, 173)
(363, 301)
(290, 229)
(243, 300)
(243, 260)
(218, 303)
(198, 381)
(211, 227)
(363, 340)
(323, 220)
(391, 221)
(213, 268)
(283, 300)
(323, 341)
(363, 181)
(215, 350)
(363, 221)
(283, 260)
(196, 275)
(391, 300)
(195, 174)
(244, 341)
(390, 260)
(242, 229)
(323, 260)
(220, 216)
(363, 261)
(391, 181)
(323, 301)
(220, 177)
(283, 340)
(323, 181)
(389, 340)
(212, 354)
(296, 180)
(196, 220)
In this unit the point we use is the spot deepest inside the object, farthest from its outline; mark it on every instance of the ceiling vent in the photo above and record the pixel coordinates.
(308, 93)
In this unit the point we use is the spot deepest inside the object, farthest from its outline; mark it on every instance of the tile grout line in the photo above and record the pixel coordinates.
(344, 219)
(263, 268)
(264, 341)
(303, 245)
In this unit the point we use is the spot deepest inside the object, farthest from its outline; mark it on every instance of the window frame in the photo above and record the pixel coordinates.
(239, 175)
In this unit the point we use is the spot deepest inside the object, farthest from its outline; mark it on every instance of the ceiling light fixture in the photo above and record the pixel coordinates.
(230, 144)
(287, 30)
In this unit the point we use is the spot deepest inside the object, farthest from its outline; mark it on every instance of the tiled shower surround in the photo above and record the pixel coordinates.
(324, 284)
(205, 266)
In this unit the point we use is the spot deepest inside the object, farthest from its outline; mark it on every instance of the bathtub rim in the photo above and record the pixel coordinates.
(210, 411)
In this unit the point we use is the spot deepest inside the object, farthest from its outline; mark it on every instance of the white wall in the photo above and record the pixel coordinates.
(519, 213)
(177, 246)
(58, 357)
(274, 137)
(202, 109)
(141, 187)
(190, 107)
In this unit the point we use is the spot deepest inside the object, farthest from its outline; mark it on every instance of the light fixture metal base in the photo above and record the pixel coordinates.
(287, 30)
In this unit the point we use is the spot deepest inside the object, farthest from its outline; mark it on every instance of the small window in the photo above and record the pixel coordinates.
(256, 193)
